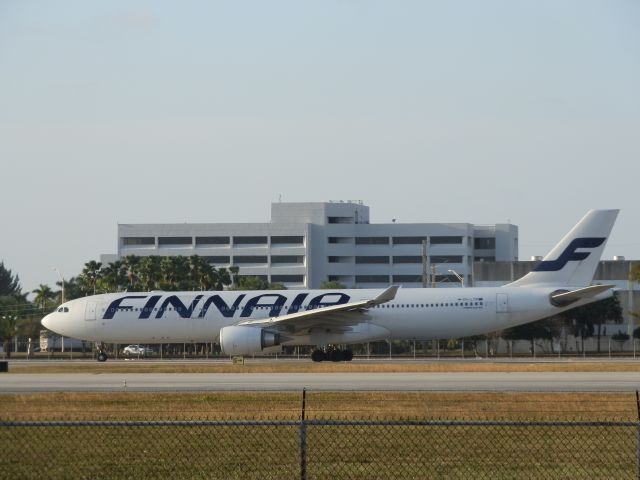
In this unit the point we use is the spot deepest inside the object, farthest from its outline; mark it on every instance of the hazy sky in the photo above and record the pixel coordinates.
(428, 111)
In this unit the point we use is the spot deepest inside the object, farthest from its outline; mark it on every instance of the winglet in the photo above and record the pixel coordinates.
(386, 296)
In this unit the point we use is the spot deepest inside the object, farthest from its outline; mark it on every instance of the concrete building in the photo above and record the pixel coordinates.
(305, 244)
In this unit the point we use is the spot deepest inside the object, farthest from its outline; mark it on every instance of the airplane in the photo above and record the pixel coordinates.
(253, 322)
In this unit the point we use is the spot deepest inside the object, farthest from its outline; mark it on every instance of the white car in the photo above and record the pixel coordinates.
(137, 350)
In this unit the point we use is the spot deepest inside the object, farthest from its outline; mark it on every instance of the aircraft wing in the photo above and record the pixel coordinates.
(344, 315)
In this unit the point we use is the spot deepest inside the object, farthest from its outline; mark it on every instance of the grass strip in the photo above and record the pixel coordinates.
(275, 366)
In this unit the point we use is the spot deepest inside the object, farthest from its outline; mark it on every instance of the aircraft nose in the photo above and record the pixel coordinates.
(46, 322)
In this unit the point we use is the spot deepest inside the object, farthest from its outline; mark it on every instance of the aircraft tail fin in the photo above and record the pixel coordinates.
(573, 261)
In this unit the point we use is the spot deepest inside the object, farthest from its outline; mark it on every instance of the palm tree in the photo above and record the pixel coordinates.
(200, 272)
(43, 295)
(223, 277)
(91, 273)
(113, 277)
(131, 262)
(181, 266)
(149, 272)
(71, 289)
(168, 273)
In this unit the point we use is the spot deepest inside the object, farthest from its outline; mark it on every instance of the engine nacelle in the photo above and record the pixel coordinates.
(244, 340)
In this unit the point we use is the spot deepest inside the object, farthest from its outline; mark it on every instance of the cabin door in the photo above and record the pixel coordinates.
(502, 303)
(90, 312)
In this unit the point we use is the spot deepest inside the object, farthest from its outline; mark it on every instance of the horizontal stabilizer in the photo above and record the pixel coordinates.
(563, 298)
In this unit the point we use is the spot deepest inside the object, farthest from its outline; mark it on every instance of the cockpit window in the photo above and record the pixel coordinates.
(66, 309)
(63, 309)
(60, 309)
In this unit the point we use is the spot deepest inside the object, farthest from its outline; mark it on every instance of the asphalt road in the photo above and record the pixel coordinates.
(197, 382)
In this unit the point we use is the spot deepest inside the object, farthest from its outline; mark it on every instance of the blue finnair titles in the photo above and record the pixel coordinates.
(244, 323)
(275, 303)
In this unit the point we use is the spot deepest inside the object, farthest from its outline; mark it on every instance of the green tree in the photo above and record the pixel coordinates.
(634, 273)
(182, 273)
(332, 285)
(175, 273)
(201, 273)
(91, 274)
(634, 276)
(9, 313)
(72, 289)
(9, 283)
(131, 263)
(114, 277)
(546, 329)
(255, 283)
(250, 283)
(149, 272)
(587, 320)
(222, 278)
(44, 296)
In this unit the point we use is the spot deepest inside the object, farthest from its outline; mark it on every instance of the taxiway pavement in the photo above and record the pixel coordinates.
(198, 382)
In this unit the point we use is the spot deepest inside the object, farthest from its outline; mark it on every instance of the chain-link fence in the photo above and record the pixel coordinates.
(319, 449)
(54, 347)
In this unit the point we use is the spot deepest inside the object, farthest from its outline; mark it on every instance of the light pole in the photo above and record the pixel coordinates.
(62, 280)
(458, 277)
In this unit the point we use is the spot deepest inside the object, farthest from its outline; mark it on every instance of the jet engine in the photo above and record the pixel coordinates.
(244, 340)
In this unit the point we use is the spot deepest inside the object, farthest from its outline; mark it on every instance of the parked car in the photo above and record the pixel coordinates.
(137, 350)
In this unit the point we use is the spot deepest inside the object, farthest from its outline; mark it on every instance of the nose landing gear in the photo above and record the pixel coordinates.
(102, 356)
(331, 354)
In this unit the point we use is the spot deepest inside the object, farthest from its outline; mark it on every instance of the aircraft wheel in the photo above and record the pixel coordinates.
(102, 357)
(318, 356)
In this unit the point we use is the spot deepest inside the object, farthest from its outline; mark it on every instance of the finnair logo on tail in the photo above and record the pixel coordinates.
(569, 254)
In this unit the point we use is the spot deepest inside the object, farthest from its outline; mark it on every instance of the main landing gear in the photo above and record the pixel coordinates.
(102, 356)
(331, 354)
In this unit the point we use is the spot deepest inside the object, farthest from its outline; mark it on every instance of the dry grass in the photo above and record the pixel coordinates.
(284, 366)
(319, 405)
(355, 452)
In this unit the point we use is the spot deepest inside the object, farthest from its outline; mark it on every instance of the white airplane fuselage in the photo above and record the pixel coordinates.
(256, 321)
(414, 313)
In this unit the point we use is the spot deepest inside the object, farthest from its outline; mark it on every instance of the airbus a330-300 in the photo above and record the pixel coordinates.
(249, 322)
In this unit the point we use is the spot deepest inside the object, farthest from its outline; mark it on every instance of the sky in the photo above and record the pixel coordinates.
(207, 111)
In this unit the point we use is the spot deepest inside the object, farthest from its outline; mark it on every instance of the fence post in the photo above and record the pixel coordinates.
(303, 438)
(638, 436)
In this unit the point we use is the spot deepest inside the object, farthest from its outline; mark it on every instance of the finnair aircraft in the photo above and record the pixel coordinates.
(263, 321)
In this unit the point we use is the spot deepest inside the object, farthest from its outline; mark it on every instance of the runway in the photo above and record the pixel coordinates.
(200, 382)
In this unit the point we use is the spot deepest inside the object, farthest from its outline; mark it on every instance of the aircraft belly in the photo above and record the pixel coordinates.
(440, 325)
